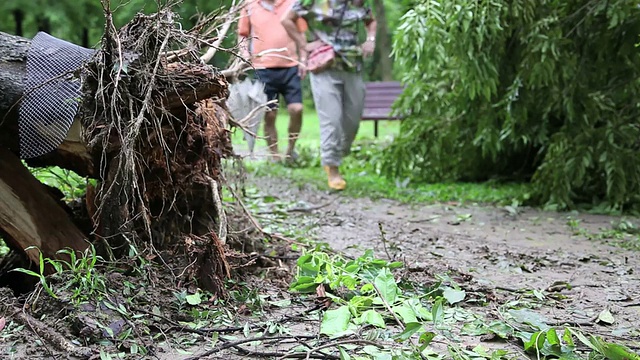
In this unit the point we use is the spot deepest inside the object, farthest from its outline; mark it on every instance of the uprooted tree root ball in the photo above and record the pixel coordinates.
(158, 125)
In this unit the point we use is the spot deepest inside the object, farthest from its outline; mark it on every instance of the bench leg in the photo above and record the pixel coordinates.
(375, 128)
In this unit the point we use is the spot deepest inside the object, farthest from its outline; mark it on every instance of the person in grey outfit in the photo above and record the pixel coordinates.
(338, 91)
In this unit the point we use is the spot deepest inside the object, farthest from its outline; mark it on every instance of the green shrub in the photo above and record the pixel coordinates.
(541, 90)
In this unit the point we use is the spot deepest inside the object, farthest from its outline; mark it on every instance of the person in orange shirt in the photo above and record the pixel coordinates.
(260, 29)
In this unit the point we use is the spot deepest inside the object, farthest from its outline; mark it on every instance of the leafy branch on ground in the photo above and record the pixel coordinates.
(415, 321)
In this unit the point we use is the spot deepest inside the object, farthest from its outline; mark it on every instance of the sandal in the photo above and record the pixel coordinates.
(335, 182)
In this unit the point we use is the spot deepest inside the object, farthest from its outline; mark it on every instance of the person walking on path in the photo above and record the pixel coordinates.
(259, 30)
(338, 90)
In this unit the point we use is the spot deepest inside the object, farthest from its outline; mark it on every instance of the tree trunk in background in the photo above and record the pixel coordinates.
(44, 24)
(383, 41)
(18, 15)
(85, 37)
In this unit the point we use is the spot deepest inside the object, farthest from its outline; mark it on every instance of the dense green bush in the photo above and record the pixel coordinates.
(542, 90)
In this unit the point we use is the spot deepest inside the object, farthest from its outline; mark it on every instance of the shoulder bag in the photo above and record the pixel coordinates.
(321, 54)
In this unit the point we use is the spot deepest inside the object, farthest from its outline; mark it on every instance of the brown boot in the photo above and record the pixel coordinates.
(334, 179)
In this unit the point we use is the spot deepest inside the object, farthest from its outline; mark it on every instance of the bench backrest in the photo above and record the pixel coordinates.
(379, 98)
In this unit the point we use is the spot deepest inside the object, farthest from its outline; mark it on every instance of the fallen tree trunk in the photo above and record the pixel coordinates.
(30, 216)
(152, 133)
(71, 154)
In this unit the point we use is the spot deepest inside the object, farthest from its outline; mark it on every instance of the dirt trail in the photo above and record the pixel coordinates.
(499, 257)
(499, 249)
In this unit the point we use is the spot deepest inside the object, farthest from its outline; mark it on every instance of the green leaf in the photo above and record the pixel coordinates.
(372, 317)
(501, 329)
(536, 342)
(437, 312)
(526, 316)
(304, 284)
(453, 296)
(583, 339)
(606, 317)
(343, 354)
(386, 285)
(410, 329)
(335, 321)
(406, 313)
(193, 299)
(425, 339)
(552, 337)
(567, 338)
(619, 352)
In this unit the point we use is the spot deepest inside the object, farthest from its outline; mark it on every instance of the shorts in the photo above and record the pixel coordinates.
(285, 81)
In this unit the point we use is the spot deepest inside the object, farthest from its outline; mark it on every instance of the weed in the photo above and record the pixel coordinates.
(80, 275)
(623, 233)
(4, 249)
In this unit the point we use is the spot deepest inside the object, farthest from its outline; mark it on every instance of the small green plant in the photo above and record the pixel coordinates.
(79, 274)
(40, 274)
(4, 249)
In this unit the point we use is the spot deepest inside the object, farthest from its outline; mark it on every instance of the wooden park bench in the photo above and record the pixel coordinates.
(379, 98)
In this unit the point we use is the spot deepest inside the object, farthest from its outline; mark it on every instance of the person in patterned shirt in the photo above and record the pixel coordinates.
(338, 91)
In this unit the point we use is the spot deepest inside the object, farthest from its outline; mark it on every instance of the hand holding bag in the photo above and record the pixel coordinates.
(322, 55)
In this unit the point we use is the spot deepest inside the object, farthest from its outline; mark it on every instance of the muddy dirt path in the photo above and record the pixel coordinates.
(492, 247)
(502, 258)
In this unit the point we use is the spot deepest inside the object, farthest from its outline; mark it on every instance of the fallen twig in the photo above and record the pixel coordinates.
(230, 19)
(384, 241)
(310, 208)
(343, 342)
(48, 334)
(630, 305)
(235, 344)
(253, 220)
(243, 122)
(298, 209)
(398, 320)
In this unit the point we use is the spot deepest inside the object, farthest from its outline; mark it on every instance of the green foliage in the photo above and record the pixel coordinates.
(72, 185)
(622, 233)
(405, 318)
(545, 89)
(80, 277)
(69, 19)
(364, 177)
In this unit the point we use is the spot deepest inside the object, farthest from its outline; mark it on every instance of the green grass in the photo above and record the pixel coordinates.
(362, 173)
(310, 133)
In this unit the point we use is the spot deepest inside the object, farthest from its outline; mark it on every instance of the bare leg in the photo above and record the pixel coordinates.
(271, 133)
(295, 124)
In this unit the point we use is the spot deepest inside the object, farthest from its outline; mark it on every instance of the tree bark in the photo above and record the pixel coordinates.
(384, 42)
(71, 154)
(29, 214)
(166, 199)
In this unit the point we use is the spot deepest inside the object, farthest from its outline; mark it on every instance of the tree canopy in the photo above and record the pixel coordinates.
(547, 90)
